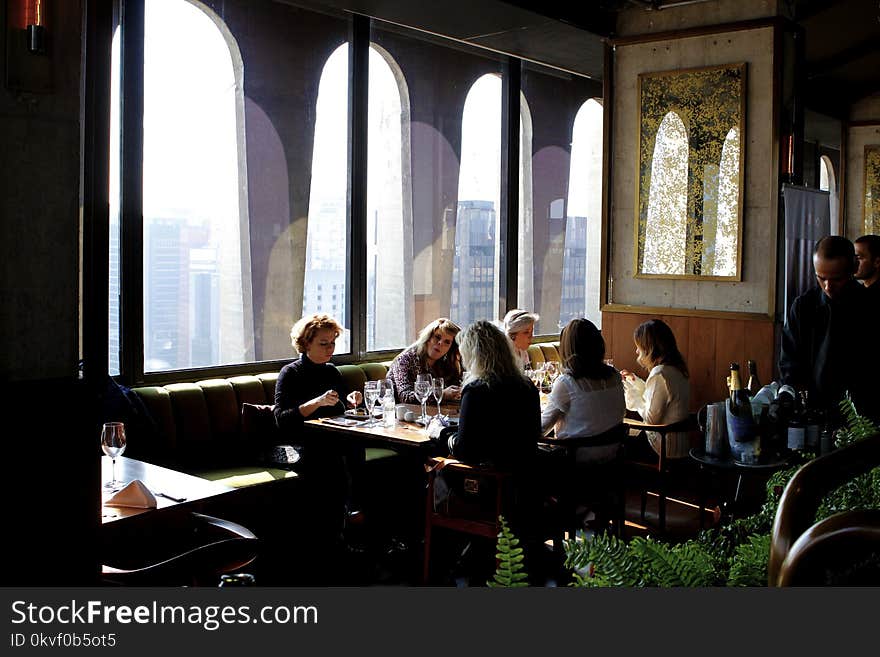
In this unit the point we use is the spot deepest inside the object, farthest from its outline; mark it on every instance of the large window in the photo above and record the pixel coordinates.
(449, 99)
(260, 203)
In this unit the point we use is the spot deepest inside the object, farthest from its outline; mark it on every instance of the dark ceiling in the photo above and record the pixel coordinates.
(842, 40)
(842, 37)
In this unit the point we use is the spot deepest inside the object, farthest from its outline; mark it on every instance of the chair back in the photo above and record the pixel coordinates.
(464, 498)
(801, 550)
(211, 547)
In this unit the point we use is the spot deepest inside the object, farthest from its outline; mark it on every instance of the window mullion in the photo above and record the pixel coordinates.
(357, 224)
(132, 189)
(510, 167)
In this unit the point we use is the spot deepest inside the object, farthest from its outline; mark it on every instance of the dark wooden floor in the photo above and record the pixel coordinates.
(360, 558)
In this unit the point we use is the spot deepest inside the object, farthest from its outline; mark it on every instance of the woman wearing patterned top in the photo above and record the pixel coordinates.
(435, 352)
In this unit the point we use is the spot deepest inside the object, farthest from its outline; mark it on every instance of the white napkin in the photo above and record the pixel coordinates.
(135, 494)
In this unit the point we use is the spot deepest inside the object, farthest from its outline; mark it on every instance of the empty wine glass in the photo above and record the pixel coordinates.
(437, 389)
(371, 394)
(113, 444)
(423, 387)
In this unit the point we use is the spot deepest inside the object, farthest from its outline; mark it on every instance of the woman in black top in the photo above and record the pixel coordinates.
(311, 387)
(500, 424)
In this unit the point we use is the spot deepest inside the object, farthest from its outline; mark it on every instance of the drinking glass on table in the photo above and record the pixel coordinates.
(113, 444)
(437, 389)
(423, 388)
(371, 394)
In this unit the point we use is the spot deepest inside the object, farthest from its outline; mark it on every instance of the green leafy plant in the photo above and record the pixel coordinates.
(510, 571)
(735, 554)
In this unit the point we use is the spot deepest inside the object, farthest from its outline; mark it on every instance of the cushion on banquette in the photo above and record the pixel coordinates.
(542, 352)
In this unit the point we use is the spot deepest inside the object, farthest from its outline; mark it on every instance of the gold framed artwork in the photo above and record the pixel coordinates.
(872, 190)
(689, 181)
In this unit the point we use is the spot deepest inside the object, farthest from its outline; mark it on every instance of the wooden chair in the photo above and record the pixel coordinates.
(208, 548)
(597, 487)
(477, 495)
(841, 549)
(661, 469)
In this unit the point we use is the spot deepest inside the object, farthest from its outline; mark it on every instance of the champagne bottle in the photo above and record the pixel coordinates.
(740, 405)
(754, 384)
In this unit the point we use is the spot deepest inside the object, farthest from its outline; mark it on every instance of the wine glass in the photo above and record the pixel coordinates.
(371, 394)
(113, 444)
(424, 386)
(437, 389)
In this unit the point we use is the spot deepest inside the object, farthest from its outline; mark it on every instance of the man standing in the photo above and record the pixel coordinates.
(829, 343)
(868, 260)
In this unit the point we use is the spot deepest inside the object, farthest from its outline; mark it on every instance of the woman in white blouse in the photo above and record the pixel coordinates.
(664, 397)
(587, 398)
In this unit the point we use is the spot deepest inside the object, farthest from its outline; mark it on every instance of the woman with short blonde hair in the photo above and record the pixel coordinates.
(303, 332)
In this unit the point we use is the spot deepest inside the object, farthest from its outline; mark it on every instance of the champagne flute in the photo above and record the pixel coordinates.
(423, 387)
(113, 444)
(438, 392)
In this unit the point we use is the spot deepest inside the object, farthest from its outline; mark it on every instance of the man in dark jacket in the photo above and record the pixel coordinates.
(829, 343)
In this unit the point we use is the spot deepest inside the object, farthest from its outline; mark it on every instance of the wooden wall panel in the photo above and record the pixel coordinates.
(709, 345)
(699, 353)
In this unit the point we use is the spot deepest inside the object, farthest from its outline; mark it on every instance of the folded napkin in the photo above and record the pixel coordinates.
(135, 494)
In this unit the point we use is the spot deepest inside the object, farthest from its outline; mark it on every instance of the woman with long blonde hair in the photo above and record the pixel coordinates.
(500, 418)
(434, 352)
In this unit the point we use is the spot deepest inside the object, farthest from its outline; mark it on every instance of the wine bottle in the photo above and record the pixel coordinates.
(754, 384)
(796, 428)
(740, 405)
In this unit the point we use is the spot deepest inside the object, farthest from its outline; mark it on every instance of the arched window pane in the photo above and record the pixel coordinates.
(194, 307)
(665, 249)
(560, 196)
(823, 174)
(726, 233)
(326, 271)
(583, 230)
(476, 268)
(389, 206)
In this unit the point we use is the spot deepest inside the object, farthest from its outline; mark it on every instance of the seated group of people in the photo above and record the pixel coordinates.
(501, 417)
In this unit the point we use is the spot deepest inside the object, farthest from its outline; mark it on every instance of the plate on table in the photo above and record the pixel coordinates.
(357, 414)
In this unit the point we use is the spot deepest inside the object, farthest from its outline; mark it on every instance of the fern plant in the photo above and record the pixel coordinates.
(733, 555)
(510, 571)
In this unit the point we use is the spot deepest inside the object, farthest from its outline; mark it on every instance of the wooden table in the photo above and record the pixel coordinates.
(409, 434)
(186, 488)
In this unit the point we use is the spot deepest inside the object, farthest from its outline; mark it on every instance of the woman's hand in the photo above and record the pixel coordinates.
(452, 393)
(354, 398)
(329, 398)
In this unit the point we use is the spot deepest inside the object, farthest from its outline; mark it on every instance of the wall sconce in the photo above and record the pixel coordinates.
(36, 29)
(28, 43)
(30, 17)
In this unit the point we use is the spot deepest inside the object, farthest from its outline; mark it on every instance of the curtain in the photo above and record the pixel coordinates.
(807, 220)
